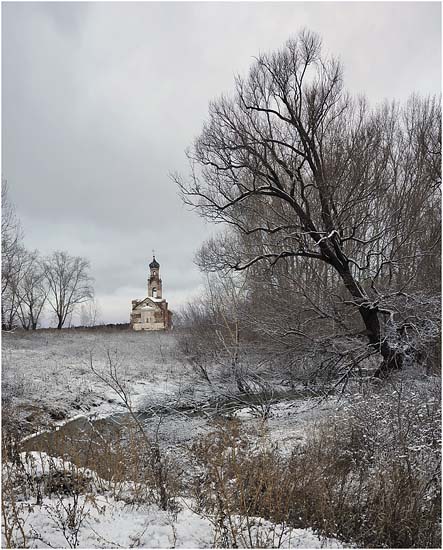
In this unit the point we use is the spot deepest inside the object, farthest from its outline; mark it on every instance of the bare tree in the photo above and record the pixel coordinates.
(301, 170)
(32, 292)
(69, 284)
(89, 314)
(12, 256)
(211, 328)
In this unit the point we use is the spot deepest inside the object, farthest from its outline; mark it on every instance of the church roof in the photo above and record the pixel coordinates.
(148, 303)
(154, 263)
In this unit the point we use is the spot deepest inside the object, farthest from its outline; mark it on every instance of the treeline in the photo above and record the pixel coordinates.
(329, 254)
(32, 284)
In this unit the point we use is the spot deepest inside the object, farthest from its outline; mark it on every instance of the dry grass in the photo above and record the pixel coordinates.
(370, 476)
(71, 468)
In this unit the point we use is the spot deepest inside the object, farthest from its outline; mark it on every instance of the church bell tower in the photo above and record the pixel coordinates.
(154, 281)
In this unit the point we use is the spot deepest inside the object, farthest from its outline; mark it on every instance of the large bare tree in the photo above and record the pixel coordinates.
(69, 284)
(301, 170)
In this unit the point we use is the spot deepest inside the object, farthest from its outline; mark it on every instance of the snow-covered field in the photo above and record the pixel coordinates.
(47, 380)
(47, 374)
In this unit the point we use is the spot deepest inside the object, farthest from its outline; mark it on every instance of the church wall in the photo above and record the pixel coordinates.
(148, 326)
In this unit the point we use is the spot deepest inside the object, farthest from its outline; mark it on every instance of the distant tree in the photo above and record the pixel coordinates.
(12, 259)
(69, 284)
(11, 297)
(89, 314)
(301, 171)
(32, 291)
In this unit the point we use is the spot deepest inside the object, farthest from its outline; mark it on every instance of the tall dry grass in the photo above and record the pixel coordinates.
(369, 476)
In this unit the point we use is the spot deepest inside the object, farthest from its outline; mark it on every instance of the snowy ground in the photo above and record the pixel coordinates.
(47, 374)
(102, 521)
(114, 524)
(47, 380)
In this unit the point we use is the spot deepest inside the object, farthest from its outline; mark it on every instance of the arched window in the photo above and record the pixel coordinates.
(154, 293)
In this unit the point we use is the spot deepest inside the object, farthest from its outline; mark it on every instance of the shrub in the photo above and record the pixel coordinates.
(369, 475)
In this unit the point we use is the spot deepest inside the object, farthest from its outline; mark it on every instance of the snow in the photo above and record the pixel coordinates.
(110, 523)
(106, 522)
(47, 372)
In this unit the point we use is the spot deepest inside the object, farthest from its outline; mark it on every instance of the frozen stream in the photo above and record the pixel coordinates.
(176, 427)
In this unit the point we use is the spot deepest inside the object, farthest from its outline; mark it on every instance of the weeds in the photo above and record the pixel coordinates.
(69, 515)
(86, 464)
(231, 487)
(369, 476)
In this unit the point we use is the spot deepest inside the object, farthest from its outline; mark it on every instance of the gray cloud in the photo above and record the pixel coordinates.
(101, 99)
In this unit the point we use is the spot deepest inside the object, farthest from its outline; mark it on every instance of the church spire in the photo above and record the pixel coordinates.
(154, 264)
(154, 281)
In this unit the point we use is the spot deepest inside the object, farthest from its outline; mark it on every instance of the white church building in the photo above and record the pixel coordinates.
(152, 313)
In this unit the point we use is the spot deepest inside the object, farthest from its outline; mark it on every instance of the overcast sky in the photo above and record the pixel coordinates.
(100, 100)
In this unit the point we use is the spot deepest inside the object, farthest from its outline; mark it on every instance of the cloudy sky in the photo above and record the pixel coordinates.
(100, 100)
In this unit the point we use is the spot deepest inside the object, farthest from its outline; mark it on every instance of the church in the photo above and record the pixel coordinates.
(152, 312)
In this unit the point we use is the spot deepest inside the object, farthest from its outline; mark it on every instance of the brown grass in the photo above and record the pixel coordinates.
(370, 476)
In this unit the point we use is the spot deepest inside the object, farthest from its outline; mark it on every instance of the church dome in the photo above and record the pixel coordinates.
(154, 263)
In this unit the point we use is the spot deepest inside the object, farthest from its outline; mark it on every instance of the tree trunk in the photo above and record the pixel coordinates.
(392, 359)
